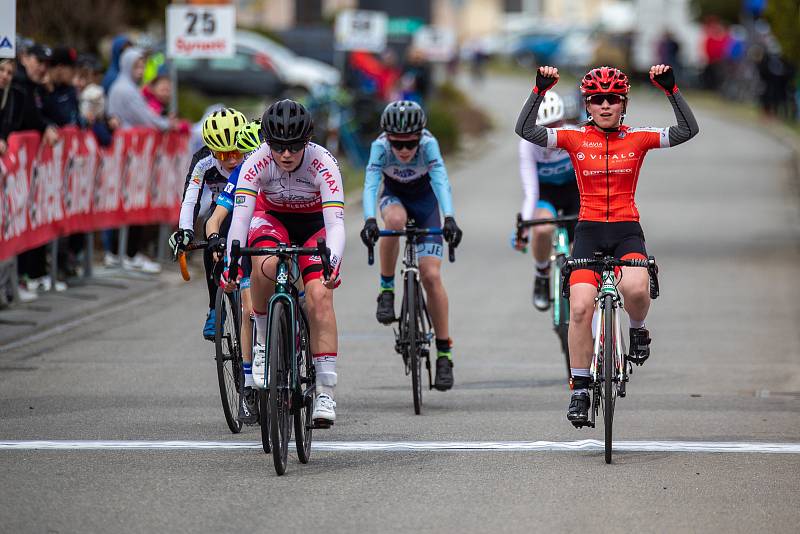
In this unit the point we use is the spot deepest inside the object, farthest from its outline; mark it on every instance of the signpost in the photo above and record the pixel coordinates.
(201, 31)
(8, 28)
(361, 30)
(438, 44)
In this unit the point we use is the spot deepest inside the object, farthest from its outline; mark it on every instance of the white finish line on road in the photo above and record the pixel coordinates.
(423, 446)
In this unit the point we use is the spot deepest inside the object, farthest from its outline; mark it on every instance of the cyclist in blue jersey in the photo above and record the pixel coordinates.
(548, 181)
(406, 157)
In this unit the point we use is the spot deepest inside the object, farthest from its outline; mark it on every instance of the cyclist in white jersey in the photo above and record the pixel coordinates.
(548, 181)
(290, 191)
(211, 167)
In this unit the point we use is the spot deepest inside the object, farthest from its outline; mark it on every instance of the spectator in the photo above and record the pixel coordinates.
(158, 93)
(93, 113)
(716, 44)
(88, 71)
(125, 101)
(118, 46)
(777, 75)
(669, 50)
(416, 80)
(60, 104)
(10, 100)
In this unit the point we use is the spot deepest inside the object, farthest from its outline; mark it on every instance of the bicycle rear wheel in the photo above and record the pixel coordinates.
(412, 336)
(229, 356)
(279, 385)
(609, 389)
(305, 403)
(561, 315)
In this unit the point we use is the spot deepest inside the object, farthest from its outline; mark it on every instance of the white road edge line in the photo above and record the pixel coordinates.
(423, 446)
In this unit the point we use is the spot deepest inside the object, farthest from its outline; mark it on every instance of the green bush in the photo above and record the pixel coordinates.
(442, 124)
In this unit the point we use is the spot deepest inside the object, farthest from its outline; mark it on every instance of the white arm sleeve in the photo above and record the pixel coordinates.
(190, 198)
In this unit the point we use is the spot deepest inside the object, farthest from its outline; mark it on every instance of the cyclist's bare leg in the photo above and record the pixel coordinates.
(262, 286)
(247, 328)
(635, 289)
(542, 236)
(394, 218)
(581, 308)
(322, 318)
(430, 273)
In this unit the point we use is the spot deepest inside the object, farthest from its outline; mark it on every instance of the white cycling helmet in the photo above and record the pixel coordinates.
(551, 110)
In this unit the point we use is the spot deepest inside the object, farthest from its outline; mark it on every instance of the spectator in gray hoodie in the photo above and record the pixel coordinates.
(125, 100)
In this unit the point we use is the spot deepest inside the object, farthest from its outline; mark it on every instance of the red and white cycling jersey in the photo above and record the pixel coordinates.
(607, 166)
(315, 186)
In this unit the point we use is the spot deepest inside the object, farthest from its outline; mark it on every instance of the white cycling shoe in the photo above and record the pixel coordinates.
(324, 413)
(259, 365)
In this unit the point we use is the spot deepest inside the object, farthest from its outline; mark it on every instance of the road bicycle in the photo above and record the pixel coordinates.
(414, 333)
(561, 251)
(610, 368)
(289, 379)
(227, 343)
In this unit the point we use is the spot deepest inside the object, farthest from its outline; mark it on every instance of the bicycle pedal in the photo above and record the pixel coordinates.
(321, 424)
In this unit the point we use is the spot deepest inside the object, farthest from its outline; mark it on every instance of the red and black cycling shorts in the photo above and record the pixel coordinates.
(622, 240)
(269, 228)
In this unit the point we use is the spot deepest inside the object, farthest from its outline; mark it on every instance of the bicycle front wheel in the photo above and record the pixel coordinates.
(279, 385)
(413, 336)
(609, 390)
(228, 355)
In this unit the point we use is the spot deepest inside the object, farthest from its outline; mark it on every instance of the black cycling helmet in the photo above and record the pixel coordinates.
(403, 117)
(287, 121)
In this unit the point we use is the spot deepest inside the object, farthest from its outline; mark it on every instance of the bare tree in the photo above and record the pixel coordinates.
(78, 23)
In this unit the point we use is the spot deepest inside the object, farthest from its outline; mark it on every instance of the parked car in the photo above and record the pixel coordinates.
(569, 48)
(245, 74)
(295, 71)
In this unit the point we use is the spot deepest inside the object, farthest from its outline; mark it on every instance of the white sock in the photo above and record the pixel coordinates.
(261, 328)
(636, 324)
(542, 265)
(325, 367)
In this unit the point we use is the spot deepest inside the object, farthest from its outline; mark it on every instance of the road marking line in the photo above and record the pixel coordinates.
(424, 446)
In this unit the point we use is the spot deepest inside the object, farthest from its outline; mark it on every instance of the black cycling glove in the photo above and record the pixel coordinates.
(370, 232)
(179, 240)
(451, 232)
(543, 83)
(666, 81)
(216, 243)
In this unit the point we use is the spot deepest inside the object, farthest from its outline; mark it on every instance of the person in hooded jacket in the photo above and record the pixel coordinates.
(125, 100)
(118, 46)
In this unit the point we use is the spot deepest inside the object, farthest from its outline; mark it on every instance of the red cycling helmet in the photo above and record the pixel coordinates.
(605, 80)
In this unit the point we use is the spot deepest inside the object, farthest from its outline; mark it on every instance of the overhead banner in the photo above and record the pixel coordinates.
(77, 186)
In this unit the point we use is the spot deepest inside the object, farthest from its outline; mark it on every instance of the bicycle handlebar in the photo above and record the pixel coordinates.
(407, 232)
(180, 256)
(561, 221)
(321, 250)
(609, 263)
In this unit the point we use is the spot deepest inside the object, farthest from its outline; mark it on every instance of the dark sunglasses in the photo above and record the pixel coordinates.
(294, 148)
(400, 145)
(598, 100)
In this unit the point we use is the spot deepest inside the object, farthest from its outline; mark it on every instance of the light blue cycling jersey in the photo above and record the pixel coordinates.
(225, 197)
(426, 165)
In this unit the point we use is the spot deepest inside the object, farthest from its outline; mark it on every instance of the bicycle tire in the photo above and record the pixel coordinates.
(608, 375)
(561, 314)
(264, 419)
(413, 335)
(228, 355)
(305, 376)
(279, 390)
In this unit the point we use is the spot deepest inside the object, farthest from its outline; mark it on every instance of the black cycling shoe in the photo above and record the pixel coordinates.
(578, 413)
(385, 313)
(541, 292)
(640, 345)
(248, 407)
(444, 373)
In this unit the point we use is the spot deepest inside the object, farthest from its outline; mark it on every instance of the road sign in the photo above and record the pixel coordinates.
(8, 28)
(400, 26)
(201, 31)
(361, 30)
(437, 44)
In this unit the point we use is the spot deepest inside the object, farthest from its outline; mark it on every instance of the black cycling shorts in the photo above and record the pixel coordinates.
(622, 240)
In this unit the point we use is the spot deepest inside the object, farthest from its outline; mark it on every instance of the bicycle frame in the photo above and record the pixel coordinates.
(411, 268)
(608, 286)
(560, 253)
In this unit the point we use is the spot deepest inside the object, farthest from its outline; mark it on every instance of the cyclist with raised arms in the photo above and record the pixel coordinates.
(290, 191)
(248, 139)
(607, 156)
(211, 166)
(548, 182)
(406, 157)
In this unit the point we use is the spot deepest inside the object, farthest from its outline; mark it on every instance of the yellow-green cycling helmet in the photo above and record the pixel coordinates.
(220, 129)
(249, 137)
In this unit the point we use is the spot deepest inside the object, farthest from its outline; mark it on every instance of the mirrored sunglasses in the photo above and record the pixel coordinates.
(598, 100)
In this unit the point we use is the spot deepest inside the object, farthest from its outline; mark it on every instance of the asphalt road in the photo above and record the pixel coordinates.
(720, 214)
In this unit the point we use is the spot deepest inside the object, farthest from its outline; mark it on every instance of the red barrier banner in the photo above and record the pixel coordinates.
(77, 186)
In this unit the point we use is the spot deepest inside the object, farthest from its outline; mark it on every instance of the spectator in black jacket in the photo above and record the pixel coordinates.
(10, 100)
(30, 74)
(61, 100)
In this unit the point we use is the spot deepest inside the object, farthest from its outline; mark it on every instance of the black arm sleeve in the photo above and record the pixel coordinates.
(687, 125)
(526, 122)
